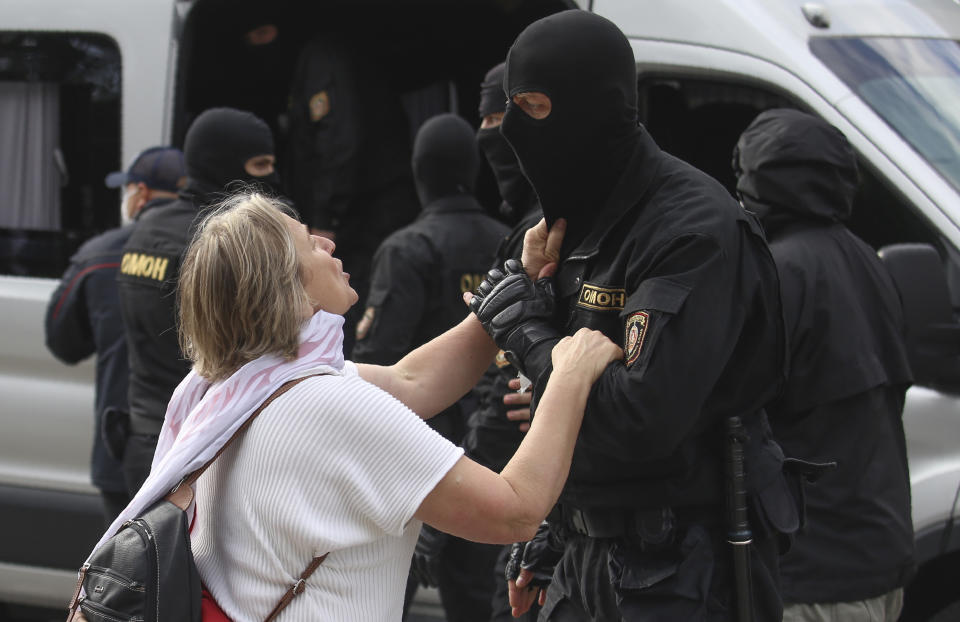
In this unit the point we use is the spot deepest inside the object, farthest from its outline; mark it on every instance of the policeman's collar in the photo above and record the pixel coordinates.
(453, 203)
(152, 203)
(633, 183)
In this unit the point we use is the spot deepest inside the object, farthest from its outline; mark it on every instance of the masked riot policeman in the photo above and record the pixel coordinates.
(348, 160)
(492, 437)
(222, 145)
(848, 374)
(420, 273)
(659, 257)
(496, 427)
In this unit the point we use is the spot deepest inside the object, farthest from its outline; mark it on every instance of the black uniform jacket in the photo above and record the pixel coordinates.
(148, 277)
(420, 273)
(681, 277)
(845, 393)
(83, 318)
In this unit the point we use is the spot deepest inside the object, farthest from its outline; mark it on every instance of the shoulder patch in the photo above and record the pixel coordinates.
(319, 106)
(599, 298)
(634, 333)
(363, 326)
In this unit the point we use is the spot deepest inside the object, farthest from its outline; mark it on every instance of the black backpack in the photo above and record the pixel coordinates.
(146, 570)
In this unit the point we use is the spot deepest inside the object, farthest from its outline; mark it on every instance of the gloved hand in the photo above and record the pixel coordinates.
(539, 556)
(514, 310)
(425, 565)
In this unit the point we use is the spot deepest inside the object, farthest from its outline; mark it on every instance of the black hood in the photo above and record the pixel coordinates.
(445, 158)
(515, 190)
(218, 144)
(574, 156)
(793, 166)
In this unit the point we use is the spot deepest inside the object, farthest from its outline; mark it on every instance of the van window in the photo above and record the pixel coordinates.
(912, 84)
(700, 121)
(60, 114)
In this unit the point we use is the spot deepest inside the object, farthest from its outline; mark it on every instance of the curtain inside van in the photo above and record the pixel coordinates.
(32, 170)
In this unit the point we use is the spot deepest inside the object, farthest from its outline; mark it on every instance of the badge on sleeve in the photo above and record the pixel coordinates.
(635, 331)
(319, 106)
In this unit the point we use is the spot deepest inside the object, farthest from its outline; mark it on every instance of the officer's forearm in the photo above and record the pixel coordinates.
(537, 366)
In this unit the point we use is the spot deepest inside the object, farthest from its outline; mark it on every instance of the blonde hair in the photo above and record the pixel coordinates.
(240, 291)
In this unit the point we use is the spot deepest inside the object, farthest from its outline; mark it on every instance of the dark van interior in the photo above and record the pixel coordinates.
(432, 54)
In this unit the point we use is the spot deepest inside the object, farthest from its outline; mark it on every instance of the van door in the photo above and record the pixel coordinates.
(59, 136)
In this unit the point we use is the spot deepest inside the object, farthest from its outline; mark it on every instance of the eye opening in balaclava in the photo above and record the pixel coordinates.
(218, 144)
(515, 189)
(575, 156)
(445, 158)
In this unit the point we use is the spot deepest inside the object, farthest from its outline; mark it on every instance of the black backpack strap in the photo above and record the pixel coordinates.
(182, 495)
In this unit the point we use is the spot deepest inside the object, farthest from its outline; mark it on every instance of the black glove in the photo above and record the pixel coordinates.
(425, 566)
(539, 556)
(515, 311)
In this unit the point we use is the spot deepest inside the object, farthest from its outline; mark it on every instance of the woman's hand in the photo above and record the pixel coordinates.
(541, 247)
(586, 354)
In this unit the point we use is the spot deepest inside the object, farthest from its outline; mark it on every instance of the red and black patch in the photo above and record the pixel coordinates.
(635, 331)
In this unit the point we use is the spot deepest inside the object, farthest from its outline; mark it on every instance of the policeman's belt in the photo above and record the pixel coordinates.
(651, 526)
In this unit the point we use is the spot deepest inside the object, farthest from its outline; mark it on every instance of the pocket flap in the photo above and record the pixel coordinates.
(659, 294)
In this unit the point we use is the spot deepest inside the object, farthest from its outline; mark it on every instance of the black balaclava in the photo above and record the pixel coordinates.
(792, 166)
(515, 190)
(218, 144)
(576, 155)
(445, 158)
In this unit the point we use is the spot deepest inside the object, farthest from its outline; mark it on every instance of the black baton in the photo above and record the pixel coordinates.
(738, 525)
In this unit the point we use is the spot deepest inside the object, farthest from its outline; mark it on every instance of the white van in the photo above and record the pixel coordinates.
(85, 85)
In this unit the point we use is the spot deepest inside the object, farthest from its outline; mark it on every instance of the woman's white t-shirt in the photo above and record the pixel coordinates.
(334, 465)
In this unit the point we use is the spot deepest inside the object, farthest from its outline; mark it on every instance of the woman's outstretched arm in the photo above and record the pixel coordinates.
(475, 503)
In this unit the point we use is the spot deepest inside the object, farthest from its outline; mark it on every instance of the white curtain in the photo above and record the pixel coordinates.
(30, 159)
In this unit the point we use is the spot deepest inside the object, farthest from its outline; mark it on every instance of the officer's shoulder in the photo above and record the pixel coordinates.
(174, 215)
(109, 242)
(401, 239)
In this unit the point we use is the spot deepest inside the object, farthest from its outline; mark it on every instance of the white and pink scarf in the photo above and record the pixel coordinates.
(201, 417)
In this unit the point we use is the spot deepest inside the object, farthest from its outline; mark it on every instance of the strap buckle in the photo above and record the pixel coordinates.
(299, 586)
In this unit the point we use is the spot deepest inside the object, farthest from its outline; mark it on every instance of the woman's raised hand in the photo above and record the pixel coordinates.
(542, 247)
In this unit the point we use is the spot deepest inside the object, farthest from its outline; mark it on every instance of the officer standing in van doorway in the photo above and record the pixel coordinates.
(496, 427)
(659, 257)
(849, 372)
(83, 316)
(222, 145)
(348, 166)
(420, 273)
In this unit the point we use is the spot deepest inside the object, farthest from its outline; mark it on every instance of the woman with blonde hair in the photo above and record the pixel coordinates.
(340, 463)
